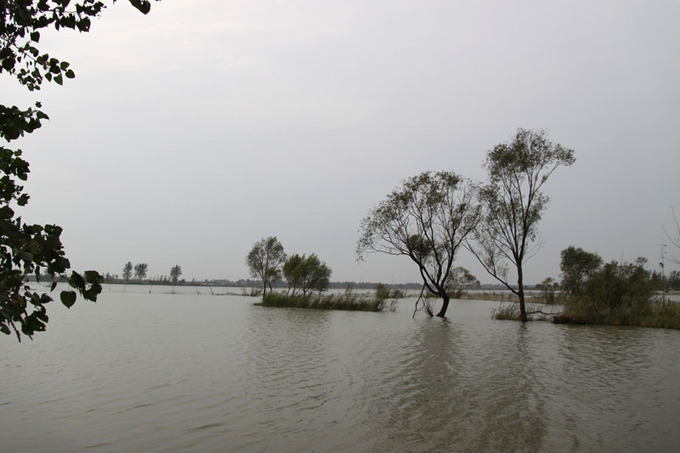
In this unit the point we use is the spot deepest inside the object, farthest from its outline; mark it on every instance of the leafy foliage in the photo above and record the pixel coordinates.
(264, 261)
(21, 24)
(141, 270)
(460, 278)
(426, 219)
(615, 293)
(577, 266)
(514, 203)
(175, 272)
(305, 274)
(127, 271)
(26, 249)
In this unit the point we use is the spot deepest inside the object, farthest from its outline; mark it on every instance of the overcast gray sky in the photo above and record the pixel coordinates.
(193, 132)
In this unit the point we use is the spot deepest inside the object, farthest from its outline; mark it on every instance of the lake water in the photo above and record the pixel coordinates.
(202, 372)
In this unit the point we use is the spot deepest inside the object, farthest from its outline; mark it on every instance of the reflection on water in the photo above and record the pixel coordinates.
(144, 372)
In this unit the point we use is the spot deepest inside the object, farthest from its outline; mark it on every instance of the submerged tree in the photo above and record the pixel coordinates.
(264, 261)
(513, 203)
(306, 273)
(426, 219)
(27, 249)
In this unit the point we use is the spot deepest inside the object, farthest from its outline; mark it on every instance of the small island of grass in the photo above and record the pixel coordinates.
(348, 300)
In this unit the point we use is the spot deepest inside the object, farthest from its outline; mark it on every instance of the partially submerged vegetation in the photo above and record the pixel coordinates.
(618, 294)
(349, 300)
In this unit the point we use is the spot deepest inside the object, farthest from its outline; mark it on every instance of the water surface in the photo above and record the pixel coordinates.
(142, 371)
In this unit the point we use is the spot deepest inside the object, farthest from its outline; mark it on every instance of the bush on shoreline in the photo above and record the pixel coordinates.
(655, 314)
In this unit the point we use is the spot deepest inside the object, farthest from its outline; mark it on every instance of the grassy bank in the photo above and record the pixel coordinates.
(656, 314)
(346, 301)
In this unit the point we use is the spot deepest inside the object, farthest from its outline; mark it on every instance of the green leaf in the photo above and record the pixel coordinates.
(68, 298)
(84, 24)
(93, 277)
(77, 281)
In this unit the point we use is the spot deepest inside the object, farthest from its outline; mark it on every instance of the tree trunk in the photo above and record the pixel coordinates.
(445, 305)
(520, 294)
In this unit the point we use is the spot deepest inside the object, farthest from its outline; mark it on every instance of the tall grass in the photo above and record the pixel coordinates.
(345, 301)
(653, 314)
(511, 312)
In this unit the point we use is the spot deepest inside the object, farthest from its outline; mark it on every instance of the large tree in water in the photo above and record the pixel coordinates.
(426, 219)
(513, 203)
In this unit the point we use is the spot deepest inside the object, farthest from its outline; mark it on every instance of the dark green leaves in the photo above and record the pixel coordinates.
(68, 298)
(34, 251)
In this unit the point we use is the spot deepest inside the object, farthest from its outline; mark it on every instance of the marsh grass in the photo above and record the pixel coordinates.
(348, 300)
(529, 297)
(511, 312)
(383, 292)
(251, 292)
(654, 314)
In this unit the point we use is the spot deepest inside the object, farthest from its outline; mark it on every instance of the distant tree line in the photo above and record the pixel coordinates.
(138, 274)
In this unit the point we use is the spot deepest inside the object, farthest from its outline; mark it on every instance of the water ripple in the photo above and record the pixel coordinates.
(243, 378)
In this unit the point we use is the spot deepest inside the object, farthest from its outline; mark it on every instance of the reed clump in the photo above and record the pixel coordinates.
(383, 292)
(511, 312)
(348, 300)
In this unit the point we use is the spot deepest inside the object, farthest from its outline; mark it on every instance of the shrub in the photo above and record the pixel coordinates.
(618, 294)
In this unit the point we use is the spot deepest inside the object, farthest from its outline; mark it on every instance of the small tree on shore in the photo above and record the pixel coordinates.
(140, 270)
(577, 266)
(175, 272)
(306, 274)
(264, 261)
(127, 271)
